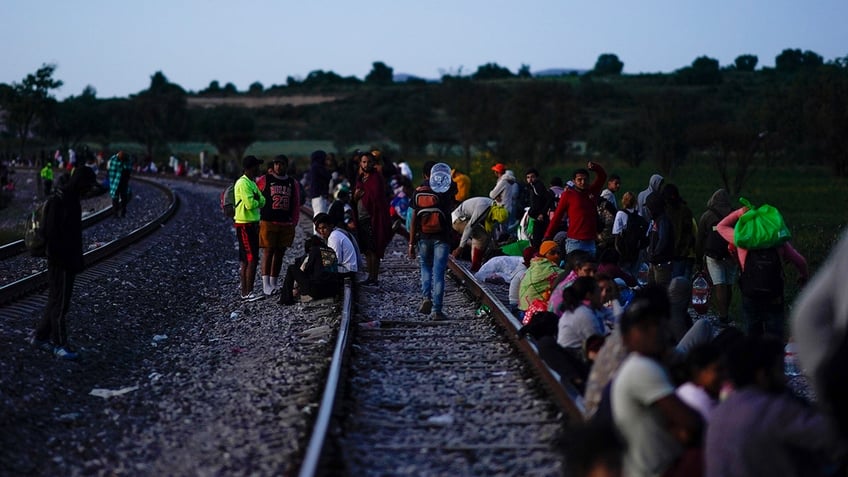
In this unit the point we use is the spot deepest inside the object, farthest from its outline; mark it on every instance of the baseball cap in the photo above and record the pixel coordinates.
(250, 161)
(499, 168)
(280, 158)
(546, 247)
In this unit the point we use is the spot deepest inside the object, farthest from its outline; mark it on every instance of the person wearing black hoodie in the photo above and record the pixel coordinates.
(63, 234)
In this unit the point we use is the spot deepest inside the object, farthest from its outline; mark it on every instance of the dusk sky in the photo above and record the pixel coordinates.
(116, 46)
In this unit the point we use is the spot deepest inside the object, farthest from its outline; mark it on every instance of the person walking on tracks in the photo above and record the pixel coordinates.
(120, 168)
(372, 208)
(277, 220)
(430, 231)
(248, 201)
(63, 235)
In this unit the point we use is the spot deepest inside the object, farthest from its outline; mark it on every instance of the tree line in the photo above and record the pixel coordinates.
(736, 117)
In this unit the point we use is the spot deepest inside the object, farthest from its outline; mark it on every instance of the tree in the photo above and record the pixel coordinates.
(255, 88)
(27, 103)
(704, 71)
(746, 62)
(524, 72)
(230, 130)
(380, 74)
(80, 117)
(733, 149)
(157, 114)
(491, 71)
(663, 118)
(213, 88)
(537, 121)
(789, 60)
(608, 64)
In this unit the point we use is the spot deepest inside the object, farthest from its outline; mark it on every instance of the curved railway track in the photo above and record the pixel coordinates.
(403, 395)
(35, 281)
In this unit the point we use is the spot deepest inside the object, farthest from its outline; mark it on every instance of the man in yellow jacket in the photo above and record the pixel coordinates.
(248, 201)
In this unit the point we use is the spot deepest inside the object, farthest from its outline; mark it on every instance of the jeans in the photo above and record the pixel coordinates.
(574, 244)
(433, 260)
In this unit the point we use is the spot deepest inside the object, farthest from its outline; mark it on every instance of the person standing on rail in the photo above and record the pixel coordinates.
(120, 168)
(430, 230)
(63, 234)
(248, 200)
(277, 220)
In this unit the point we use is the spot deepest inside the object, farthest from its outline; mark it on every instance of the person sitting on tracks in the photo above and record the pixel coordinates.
(535, 288)
(341, 241)
(581, 264)
(315, 273)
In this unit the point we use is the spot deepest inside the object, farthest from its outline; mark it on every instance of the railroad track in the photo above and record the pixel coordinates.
(38, 279)
(461, 396)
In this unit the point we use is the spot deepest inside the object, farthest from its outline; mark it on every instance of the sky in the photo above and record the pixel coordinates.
(117, 45)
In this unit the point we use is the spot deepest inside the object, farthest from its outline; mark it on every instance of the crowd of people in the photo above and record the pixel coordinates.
(601, 278)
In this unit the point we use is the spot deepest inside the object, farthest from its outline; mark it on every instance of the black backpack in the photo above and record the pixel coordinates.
(34, 238)
(762, 278)
(633, 238)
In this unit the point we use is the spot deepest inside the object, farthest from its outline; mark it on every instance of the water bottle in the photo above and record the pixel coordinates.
(700, 294)
(440, 177)
(642, 276)
(484, 311)
(790, 360)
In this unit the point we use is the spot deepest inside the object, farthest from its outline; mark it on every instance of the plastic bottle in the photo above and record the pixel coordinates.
(642, 276)
(790, 360)
(440, 177)
(700, 294)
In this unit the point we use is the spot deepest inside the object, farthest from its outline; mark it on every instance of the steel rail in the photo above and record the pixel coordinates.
(565, 395)
(317, 442)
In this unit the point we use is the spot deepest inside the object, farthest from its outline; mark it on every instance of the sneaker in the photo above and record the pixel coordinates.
(438, 316)
(41, 344)
(425, 307)
(251, 297)
(62, 352)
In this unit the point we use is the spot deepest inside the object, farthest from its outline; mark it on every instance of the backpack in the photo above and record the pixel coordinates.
(714, 245)
(431, 218)
(228, 201)
(633, 238)
(762, 278)
(34, 238)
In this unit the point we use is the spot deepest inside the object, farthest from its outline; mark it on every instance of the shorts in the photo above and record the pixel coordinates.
(722, 272)
(273, 235)
(248, 240)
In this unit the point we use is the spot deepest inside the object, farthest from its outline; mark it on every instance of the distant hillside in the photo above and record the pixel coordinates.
(404, 77)
(559, 72)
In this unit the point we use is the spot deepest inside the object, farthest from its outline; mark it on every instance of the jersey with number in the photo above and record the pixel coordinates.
(281, 199)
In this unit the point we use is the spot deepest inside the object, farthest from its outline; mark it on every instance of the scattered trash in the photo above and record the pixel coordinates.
(370, 325)
(153, 377)
(483, 311)
(441, 420)
(498, 373)
(69, 417)
(158, 338)
(234, 315)
(107, 393)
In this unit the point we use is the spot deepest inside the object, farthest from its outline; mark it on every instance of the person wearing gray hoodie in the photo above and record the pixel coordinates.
(654, 185)
(713, 248)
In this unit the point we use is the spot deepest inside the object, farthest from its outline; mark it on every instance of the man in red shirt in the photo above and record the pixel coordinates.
(579, 204)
